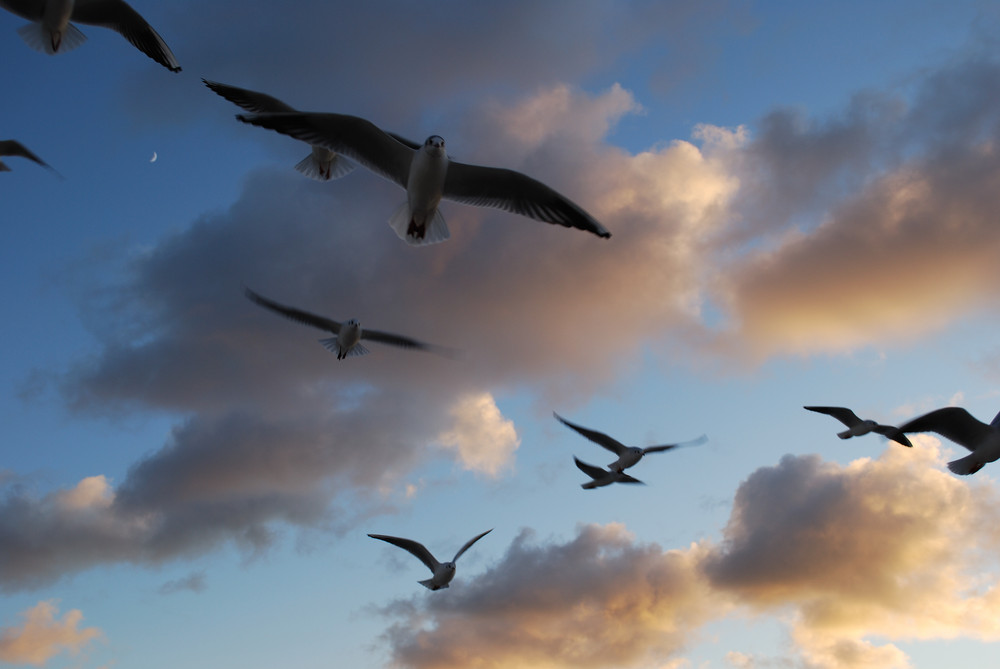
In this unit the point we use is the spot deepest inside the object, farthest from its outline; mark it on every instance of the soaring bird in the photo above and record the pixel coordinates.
(51, 31)
(627, 455)
(857, 427)
(428, 175)
(443, 571)
(322, 164)
(347, 342)
(958, 425)
(602, 477)
(12, 147)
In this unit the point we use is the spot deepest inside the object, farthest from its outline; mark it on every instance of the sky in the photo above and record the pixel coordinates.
(803, 205)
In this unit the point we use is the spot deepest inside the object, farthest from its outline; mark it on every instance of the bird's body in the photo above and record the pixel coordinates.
(628, 456)
(428, 175)
(348, 334)
(961, 427)
(52, 31)
(602, 477)
(12, 147)
(857, 427)
(443, 572)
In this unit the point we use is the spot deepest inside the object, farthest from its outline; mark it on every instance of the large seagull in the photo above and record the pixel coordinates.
(627, 455)
(857, 427)
(428, 176)
(961, 427)
(50, 30)
(443, 571)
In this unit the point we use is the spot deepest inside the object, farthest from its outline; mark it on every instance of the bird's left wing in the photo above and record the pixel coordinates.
(953, 423)
(120, 17)
(517, 193)
(843, 414)
(413, 547)
(299, 315)
(469, 543)
(394, 339)
(598, 438)
(666, 447)
(893, 433)
(252, 101)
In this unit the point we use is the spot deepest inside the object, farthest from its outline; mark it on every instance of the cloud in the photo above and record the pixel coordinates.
(193, 582)
(484, 439)
(41, 637)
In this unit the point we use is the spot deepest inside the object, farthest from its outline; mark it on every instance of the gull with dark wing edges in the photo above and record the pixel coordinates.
(627, 455)
(51, 30)
(428, 175)
(960, 426)
(443, 571)
(322, 164)
(12, 147)
(347, 342)
(602, 477)
(857, 427)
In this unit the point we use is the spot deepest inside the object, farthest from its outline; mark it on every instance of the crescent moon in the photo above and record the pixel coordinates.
(153, 159)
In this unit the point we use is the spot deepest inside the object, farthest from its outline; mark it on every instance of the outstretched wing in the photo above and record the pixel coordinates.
(598, 438)
(252, 101)
(394, 339)
(299, 315)
(893, 433)
(120, 17)
(414, 548)
(952, 423)
(469, 543)
(517, 193)
(843, 414)
(666, 447)
(592, 471)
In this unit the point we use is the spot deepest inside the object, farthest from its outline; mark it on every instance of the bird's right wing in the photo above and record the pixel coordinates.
(843, 414)
(625, 478)
(12, 147)
(469, 543)
(299, 315)
(598, 438)
(414, 548)
(592, 471)
(666, 447)
(354, 137)
(952, 423)
(120, 17)
(252, 101)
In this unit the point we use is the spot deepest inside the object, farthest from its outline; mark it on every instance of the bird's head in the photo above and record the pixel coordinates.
(435, 144)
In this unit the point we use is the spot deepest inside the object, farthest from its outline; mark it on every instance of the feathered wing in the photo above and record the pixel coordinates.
(12, 147)
(893, 433)
(252, 101)
(843, 414)
(517, 193)
(298, 315)
(953, 423)
(413, 547)
(666, 447)
(592, 471)
(625, 478)
(469, 543)
(352, 136)
(120, 17)
(598, 438)
(394, 339)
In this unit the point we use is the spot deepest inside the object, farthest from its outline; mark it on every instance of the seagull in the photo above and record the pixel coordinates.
(857, 427)
(51, 31)
(347, 343)
(322, 164)
(443, 571)
(602, 477)
(428, 175)
(627, 455)
(12, 147)
(958, 425)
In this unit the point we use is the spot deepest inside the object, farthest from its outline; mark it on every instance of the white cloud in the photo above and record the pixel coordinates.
(484, 440)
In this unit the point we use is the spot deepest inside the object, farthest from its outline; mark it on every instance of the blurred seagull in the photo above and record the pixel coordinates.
(443, 571)
(322, 164)
(627, 455)
(602, 477)
(958, 425)
(857, 427)
(12, 147)
(51, 31)
(428, 175)
(347, 343)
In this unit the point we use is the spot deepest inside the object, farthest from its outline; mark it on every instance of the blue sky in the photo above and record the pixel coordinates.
(802, 201)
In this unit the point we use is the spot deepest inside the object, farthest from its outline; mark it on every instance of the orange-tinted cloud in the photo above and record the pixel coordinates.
(42, 636)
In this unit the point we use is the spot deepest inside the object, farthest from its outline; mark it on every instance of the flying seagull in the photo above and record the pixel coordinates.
(627, 455)
(857, 427)
(51, 31)
(347, 342)
(12, 147)
(322, 164)
(428, 175)
(443, 571)
(602, 477)
(958, 425)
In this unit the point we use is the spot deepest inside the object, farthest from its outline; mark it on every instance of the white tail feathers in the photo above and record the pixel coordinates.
(435, 230)
(429, 584)
(970, 464)
(38, 38)
(324, 169)
(331, 345)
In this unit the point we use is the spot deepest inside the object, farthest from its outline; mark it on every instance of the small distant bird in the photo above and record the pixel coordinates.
(443, 571)
(11, 147)
(857, 427)
(602, 477)
(51, 31)
(347, 343)
(428, 175)
(322, 164)
(958, 425)
(627, 455)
